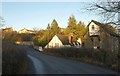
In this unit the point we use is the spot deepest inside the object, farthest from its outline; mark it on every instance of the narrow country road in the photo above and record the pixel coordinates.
(46, 64)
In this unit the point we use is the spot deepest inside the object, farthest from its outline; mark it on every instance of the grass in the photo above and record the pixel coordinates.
(14, 58)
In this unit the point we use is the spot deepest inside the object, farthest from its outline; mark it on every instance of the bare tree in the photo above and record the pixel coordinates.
(109, 10)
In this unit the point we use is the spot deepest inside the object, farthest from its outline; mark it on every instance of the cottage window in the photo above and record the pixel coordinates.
(56, 44)
(93, 27)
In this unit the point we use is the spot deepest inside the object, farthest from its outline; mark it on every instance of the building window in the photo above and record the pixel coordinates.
(93, 27)
(56, 44)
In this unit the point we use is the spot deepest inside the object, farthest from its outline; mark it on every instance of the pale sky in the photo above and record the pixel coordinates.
(31, 15)
(54, 0)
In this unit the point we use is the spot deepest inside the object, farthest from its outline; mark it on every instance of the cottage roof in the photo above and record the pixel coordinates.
(9, 28)
(26, 30)
(105, 28)
(64, 39)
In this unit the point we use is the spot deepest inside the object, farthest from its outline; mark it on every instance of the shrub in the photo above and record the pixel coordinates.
(14, 58)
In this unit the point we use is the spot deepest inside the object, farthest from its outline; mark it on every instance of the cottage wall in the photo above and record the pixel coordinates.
(88, 43)
(94, 29)
(107, 42)
(55, 42)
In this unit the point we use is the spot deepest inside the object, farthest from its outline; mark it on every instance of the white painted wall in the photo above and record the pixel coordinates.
(55, 40)
(95, 31)
(79, 40)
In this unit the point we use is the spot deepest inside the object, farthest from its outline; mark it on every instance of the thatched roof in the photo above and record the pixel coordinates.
(64, 39)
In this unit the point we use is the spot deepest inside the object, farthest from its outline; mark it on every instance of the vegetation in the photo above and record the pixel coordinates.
(54, 27)
(14, 57)
(109, 10)
(46, 35)
(71, 28)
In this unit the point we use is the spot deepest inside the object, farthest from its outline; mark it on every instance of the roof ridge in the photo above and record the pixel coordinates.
(103, 26)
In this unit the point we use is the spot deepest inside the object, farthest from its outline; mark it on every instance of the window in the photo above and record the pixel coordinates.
(93, 27)
(56, 44)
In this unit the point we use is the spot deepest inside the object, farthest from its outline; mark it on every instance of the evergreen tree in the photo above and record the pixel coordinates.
(48, 32)
(81, 29)
(54, 27)
(71, 25)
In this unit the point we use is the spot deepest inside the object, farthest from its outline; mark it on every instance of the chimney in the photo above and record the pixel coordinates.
(71, 38)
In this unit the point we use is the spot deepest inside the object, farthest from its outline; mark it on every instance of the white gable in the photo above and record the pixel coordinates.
(55, 42)
(94, 29)
(79, 40)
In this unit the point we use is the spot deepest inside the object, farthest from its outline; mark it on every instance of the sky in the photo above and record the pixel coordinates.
(54, 0)
(31, 15)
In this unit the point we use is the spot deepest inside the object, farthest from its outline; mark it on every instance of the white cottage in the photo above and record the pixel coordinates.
(94, 32)
(63, 41)
(55, 42)
(93, 28)
(79, 40)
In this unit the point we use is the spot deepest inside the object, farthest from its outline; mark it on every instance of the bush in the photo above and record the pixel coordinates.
(14, 58)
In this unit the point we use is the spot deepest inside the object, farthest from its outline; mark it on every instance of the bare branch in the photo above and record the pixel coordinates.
(108, 10)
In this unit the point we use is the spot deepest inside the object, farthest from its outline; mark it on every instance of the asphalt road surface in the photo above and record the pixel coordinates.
(47, 64)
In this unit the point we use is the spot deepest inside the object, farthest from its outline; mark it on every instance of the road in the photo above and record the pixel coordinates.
(46, 64)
